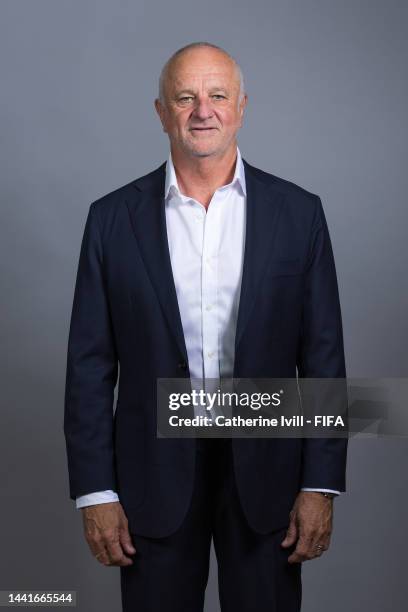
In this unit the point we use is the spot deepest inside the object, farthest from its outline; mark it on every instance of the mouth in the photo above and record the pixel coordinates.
(202, 129)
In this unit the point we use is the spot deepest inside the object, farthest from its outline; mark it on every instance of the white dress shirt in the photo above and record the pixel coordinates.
(206, 254)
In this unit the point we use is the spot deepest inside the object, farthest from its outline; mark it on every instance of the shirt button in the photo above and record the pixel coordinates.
(208, 307)
(210, 354)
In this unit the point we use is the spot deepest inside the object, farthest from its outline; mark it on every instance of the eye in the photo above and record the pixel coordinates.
(184, 98)
(219, 96)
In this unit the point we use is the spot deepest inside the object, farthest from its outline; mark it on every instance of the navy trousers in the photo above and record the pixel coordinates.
(253, 573)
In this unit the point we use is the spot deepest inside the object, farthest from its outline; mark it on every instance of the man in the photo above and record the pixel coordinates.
(205, 268)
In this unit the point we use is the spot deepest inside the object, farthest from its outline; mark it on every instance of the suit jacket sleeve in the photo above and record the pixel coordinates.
(321, 355)
(92, 370)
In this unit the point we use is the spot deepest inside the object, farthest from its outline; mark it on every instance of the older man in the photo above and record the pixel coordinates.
(204, 268)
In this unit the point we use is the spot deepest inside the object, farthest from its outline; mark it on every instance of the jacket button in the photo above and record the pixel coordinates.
(182, 365)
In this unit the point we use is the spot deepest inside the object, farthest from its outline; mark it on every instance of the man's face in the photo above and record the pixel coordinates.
(201, 113)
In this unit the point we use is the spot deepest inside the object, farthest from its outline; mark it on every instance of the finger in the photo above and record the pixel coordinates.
(321, 547)
(102, 557)
(291, 535)
(317, 545)
(97, 547)
(305, 551)
(295, 557)
(126, 541)
(116, 554)
(301, 552)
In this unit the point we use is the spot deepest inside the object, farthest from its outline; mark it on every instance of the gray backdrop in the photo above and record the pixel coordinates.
(327, 87)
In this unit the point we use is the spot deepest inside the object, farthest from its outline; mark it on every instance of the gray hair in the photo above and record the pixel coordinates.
(193, 45)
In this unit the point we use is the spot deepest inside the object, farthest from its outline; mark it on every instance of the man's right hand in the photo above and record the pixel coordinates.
(106, 531)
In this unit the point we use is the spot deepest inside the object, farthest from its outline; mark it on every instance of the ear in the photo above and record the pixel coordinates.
(242, 106)
(161, 112)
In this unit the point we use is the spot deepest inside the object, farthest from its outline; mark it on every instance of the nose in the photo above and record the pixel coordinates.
(203, 108)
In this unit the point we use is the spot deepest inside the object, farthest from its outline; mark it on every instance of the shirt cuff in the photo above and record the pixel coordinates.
(99, 497)
(320, 490)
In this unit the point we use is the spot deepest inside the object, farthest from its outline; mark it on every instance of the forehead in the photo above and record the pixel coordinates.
(198, 67)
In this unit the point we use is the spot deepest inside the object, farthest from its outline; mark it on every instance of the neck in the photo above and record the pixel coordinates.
(200, 177)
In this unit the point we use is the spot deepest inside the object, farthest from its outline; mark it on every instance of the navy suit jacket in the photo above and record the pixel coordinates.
(125, 312)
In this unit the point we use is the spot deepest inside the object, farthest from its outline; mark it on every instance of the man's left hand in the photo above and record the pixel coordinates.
(311, 521)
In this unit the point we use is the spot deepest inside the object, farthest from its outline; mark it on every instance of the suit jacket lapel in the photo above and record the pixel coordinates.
(264, 204)
(147, 214)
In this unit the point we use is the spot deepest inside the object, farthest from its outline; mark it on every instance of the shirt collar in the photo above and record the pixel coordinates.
(171, 178)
